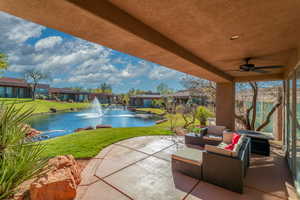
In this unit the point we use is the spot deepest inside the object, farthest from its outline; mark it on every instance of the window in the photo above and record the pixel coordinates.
(2, 91)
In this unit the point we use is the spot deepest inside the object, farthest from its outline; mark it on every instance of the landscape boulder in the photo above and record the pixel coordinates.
(84, 129)
(30, 132)
(79, 129)
(59, 182)
(103, 126)
(161, 121)
(89, 128)
(53, 110)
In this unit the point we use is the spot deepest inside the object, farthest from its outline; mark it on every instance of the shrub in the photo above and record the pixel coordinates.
(202, 114)
(19, 157)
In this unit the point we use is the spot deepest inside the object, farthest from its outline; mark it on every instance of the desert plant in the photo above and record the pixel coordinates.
(20, 157)
(202, 114)
(188, 113)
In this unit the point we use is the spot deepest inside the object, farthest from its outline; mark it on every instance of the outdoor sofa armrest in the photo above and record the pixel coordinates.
(224, 171)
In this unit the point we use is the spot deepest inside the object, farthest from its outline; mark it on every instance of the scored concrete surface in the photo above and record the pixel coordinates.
(140, 168)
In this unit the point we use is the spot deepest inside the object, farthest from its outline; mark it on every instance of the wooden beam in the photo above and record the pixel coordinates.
(270, 77)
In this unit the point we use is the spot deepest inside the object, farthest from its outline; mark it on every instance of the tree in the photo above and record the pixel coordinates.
(198, 85)
(78, 89)
(159, 103)
(33, 77)
(163, 88)
(3, 61)
(188, 113)
(105, 88)
(202, 114)
(247, 114)
(125, 99)
(20, 158)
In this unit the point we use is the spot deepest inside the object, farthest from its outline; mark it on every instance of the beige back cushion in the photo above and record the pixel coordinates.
(227, 137)
(216, 130)
(218, 150)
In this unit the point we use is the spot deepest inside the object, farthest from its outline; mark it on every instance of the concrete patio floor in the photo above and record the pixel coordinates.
(140, 168)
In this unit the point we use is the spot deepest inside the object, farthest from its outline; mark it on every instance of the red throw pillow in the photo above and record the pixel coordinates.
(229, 147)
(235, 138)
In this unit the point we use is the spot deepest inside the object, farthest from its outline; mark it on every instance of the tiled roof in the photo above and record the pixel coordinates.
(147, 96)
(16, 82)
(6, 81)
(65, 91)
(43, 86)
(185, 93)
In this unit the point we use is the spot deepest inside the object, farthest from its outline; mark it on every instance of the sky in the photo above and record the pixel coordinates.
(73, 62)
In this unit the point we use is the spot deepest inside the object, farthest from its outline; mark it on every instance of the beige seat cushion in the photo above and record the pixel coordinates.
(189, 155)
(212, 137)
(217, 149)
(216, 130)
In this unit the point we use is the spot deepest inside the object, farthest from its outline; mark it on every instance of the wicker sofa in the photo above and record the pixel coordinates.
(212, 135)
(225, 168)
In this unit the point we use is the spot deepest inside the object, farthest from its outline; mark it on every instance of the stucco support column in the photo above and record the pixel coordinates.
(278, 123)
(225, 105)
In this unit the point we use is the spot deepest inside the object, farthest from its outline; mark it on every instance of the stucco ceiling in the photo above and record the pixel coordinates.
(191, 36)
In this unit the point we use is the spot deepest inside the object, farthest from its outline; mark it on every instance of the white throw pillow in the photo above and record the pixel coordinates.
(227, 137)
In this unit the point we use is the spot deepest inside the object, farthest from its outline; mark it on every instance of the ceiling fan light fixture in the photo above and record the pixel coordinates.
(234, 37)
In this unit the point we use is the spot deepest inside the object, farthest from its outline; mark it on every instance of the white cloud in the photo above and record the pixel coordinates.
(48, 42)
(72, 61)
(161, 73)
(17, 29)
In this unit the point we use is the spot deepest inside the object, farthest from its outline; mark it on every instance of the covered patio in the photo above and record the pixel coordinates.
(140, 168)
(207, 39)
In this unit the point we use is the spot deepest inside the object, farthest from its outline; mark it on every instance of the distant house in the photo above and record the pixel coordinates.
(14, 88)
(144, 100)
(180, 97)
(104, 98)
(196, 97)
(67, 94)
(19, 88)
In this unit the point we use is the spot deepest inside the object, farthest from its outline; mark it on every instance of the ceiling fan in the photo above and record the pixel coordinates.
(248, 67)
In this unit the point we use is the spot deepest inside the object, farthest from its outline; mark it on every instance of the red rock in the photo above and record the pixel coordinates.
(79, 129)
(89, 128)
(161, 121)
(60, 182)
(30, 132)
(103, 126)
(53, 110)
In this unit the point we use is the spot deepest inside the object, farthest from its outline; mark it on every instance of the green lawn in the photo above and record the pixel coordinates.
(152, 110)
(43, 106)
(86, 144)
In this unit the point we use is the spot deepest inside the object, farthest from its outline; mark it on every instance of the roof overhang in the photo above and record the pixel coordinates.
(188, 36)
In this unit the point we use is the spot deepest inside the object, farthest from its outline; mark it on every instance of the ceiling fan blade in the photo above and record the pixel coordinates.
(260, 71)
(269, 67)
(235, 70)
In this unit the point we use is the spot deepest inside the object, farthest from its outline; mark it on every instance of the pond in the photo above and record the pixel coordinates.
(54, 125)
